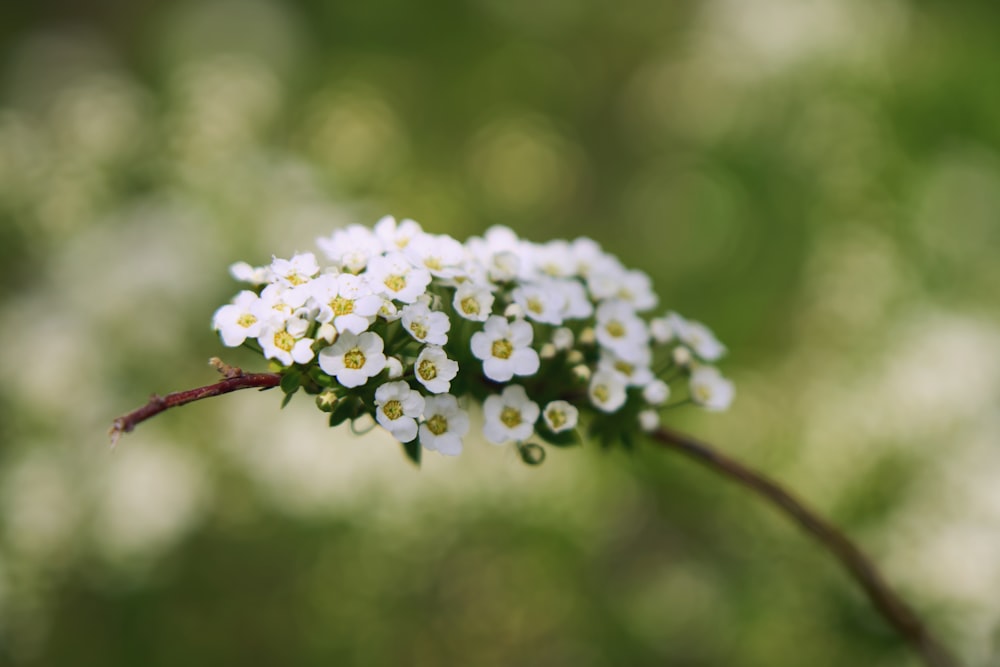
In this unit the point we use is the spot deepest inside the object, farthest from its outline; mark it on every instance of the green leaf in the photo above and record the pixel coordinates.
(290, 382)
(413, 449)
(346, 408)
(285, 401)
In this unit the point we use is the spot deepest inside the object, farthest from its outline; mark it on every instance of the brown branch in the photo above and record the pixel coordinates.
(898, 614)
(235, 379)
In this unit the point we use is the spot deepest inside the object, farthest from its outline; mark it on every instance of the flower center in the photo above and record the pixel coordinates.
(341, 306)
(354, 358)
(557, 418)
(246, 320)
(703, 393)
(396, 283)
(427, 370)
(433, 263)
(502, 349)
(437, 424)
(419, 329)
(615, 328)
(602, 393)
(470, 306)
(393, 409)
(624, 368)
(535, 306)
(511, 417)
(295, 279)
(284, 341)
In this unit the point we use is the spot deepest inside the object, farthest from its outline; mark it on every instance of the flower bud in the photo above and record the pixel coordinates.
(548, 351)
(682, 356)
(562, 338)
(649, 420)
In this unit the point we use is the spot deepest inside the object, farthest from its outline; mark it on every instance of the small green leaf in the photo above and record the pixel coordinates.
(285, 401)
(568, 438)
(413, 449)
(346, 408)
(290, 382)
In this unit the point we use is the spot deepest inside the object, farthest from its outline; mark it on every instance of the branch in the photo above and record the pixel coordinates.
(898, 614)
(235, 379)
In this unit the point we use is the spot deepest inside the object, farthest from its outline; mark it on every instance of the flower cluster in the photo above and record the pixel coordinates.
(411, 328)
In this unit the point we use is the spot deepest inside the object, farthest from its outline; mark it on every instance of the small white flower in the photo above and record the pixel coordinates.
(556, 259)
(505, 348)
(295, 271)
(346, 301)
(388, 311)
(353, 358)
(442, 255)
(445, 424)
(395, 277)
(607, 391)
(560, 416)
(509, 416)
(397, 409)
(286, 343)
(649, 420)
(239, 320)
(660, 330)
(393, 368)
(434, 369)
(636, 373)
(710, 390)
(637, 289)
(473, 301)
(702, 341)
(681, 356)
(620, 330)
(562, 338)
(351, 248)
(426, 325)
(255, 275)
(656, 392)
(541, 302)
(395, 237)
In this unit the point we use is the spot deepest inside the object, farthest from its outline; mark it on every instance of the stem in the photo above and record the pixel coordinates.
(888, 603)
(235, 380)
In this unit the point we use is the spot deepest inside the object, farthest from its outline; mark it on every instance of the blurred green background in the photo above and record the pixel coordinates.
(819, 180)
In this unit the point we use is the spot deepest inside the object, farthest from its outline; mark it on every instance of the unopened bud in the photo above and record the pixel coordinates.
(547, 351)
(682, 356)
(581, 372)
(587, 336)
(562, 338)
(327, 332)
(649, 420)
(394, 367)
(575, 357)
(514, 310)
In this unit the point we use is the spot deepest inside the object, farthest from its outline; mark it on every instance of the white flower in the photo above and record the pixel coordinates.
(442, 255)
(556, 259)
(397, 409)
(353, 358)
(509, 416)
(541, 302)
(701, 339)
(681, 356)
(710, 390)
(607, 391)
(656, 392)
(239, 320)
(473, 301)
(346, 301)
(395, 237)
(295, 271)
(395, 277)
(636, 373)
(351, 248)
(255, 275)
(445, 424)
(660, 330)
(578, 304)
(285, 342)
(426, 325)
(637, 289)
(505, 348)
(560, 416)
(562, 338)
(620, 330)
(434, 369)
(649, 420)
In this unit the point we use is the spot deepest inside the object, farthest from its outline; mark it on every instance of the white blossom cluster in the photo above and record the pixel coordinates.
(410, 328)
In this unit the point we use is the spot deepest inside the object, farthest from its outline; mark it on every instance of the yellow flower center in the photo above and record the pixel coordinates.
(470, 306)
(395, 283)
(341, 306)
(393, 409)
(502, 349)
(602, 393)
(535, 306)
(246, 320)
(702, 393)
(433, 263)
(427, 370)
(511, 417)
(418, 329)
(437, 424)
(284, 341)
(295, 279)
(556, 417)
(624, 368)
(354, 358)
(615, 328)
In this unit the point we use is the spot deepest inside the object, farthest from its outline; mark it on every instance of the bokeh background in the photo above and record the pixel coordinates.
(819, 180)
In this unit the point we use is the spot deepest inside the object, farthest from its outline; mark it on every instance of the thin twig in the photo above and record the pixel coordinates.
(235, 379)
(898, 614)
